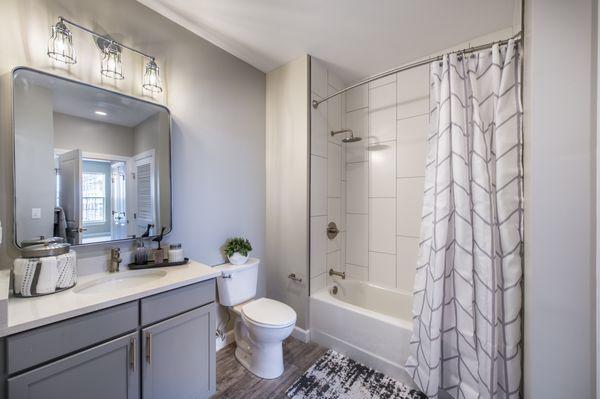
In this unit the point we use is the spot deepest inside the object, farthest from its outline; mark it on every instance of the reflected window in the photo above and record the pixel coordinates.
(94, 200)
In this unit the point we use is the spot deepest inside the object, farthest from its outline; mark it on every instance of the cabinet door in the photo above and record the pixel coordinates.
(110, 370)
(178, 356)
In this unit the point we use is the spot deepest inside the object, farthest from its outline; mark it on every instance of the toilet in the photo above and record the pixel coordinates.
(261, 324)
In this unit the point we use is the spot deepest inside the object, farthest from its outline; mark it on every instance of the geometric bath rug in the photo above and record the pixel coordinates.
(334, 376)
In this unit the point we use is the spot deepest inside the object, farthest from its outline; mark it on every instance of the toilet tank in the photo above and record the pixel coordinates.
(237, 283)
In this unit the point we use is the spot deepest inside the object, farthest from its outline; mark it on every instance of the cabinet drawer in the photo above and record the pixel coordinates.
(33, 347)
(162, 306)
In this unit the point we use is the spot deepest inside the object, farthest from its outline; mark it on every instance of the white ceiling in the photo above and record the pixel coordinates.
(355, 38)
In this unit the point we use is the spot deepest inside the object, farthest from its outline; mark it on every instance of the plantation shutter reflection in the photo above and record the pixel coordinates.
(144, 191)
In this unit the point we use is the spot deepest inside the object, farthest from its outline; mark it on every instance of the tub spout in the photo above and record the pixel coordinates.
(336, 273)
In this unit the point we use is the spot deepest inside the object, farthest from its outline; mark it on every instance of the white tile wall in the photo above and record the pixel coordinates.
(356, 272)
(357, 187)
(408, 250)
(382, 225)
(357, 98)
(328, 190)
(382, 81)
(334, 215)
(382, 113)
(334, 170)
(412, 146)
(409, 206)
(395, 121)
(317, 283)
(382, 170)
(333, 262)
(413, 92)
(318, 129)
(382, 269)
(357, 241)
(358, 122)
(318, 78)
(318, 185)
(318, 245)
(334, 116)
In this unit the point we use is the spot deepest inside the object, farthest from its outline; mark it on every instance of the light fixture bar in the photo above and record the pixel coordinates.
(91, 32)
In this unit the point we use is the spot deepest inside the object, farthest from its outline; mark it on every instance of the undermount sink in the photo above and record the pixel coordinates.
(119, 281)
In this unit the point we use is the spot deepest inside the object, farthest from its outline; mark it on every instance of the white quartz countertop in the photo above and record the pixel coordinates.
(28, 313)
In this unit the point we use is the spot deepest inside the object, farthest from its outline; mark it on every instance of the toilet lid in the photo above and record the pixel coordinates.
(269, 312)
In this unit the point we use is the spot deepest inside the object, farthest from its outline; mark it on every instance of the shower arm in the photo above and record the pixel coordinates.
(333, 133)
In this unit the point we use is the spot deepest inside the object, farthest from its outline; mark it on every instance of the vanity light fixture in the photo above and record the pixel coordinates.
(60, 48)
(152, 77)
(111, 65)
(60, 45)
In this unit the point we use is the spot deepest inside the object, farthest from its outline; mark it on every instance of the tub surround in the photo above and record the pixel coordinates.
(28, 313)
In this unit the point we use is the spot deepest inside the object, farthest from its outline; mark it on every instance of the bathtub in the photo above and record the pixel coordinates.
(369, 323)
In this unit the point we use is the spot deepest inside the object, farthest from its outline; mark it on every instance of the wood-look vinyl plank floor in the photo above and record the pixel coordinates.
(234, 381)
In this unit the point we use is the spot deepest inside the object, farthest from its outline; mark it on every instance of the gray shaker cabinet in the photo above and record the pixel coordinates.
(178, 356)
(109, 370)
(159, 347)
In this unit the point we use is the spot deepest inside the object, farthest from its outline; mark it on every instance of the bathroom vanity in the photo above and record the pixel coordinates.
(134, 334)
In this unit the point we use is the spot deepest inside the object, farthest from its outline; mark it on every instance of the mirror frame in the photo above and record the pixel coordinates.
(169, 228)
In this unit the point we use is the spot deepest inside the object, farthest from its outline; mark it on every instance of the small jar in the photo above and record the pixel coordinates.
(175, 253)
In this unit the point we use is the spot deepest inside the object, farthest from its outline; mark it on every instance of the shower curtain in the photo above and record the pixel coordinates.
(467, 299)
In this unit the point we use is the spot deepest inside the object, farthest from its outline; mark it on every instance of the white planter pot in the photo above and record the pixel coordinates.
(237, 259)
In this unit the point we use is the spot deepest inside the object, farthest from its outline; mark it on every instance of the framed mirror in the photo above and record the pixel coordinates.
(90, 165)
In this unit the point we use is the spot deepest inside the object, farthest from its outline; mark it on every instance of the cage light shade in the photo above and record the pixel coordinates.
(111, 65)
(60, 45)
(152, 78)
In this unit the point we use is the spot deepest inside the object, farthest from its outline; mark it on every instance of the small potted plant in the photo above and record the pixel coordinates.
(237, 250)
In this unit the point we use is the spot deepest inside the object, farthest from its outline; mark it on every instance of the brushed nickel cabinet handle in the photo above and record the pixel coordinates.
(149, 347)
(132, 353)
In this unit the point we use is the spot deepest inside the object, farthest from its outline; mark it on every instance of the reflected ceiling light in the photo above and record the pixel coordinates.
(102, 113)
(152, 77)
(60, 45)
(111, 65)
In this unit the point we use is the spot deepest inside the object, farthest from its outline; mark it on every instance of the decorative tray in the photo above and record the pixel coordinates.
(151, 264)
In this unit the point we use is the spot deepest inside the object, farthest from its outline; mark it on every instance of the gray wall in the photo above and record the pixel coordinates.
(72, 132)
(36, 187)
(287, 185)
(218, 109)
(560, 207)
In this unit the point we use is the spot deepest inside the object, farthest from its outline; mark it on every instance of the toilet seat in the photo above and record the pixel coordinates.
(268, 313)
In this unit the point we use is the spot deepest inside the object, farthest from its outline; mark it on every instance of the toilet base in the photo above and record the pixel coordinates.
(267, 365)
(263, 359)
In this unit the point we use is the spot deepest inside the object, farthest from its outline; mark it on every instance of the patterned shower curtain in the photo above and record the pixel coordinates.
(467, 300)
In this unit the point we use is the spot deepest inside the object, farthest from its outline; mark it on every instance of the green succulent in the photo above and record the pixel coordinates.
(237, 244)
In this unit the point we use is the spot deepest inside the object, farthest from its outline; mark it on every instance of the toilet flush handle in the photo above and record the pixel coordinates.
(293, 277)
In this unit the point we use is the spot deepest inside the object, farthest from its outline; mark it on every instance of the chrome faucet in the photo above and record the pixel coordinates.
(115, 260)
(336, 273)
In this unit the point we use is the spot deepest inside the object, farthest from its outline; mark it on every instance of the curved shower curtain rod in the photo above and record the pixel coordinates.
(315, 103)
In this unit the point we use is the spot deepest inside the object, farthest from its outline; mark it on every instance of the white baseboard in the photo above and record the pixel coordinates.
(301, 334)
(222, 343)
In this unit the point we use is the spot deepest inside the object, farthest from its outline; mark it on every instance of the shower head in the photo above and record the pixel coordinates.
(351, 139)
